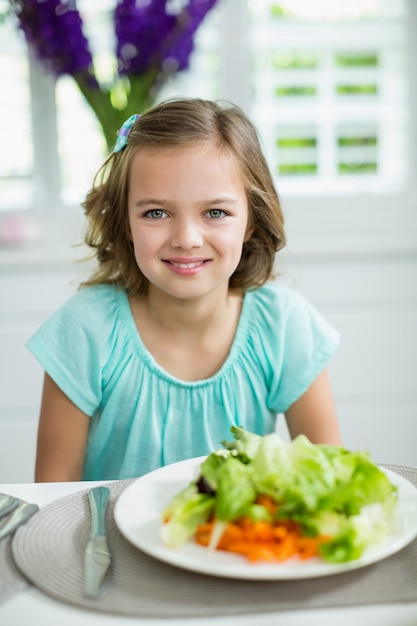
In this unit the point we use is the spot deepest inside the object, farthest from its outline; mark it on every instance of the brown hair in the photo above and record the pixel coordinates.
(181, 123)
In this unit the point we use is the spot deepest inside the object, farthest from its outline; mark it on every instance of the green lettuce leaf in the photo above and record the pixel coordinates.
(211, 465)
(245, 444)
(356, 533)
(184, 513)
(235, 490)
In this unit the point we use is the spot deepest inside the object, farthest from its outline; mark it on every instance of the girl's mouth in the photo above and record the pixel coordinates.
(185, 265)
(186, 268)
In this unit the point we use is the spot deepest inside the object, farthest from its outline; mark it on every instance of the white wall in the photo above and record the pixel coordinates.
(34, 281)
(371, 298)
(372, 301)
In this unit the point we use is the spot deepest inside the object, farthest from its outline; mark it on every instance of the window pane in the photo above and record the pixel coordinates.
(16, 156)
(331, 93)
(81, 145)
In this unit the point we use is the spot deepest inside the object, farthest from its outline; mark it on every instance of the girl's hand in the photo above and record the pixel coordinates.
(314, 414)
(62, 437)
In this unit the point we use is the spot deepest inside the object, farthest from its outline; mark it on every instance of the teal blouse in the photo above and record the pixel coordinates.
(142, 417)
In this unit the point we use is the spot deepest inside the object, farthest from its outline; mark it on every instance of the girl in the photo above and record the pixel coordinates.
(180, 333)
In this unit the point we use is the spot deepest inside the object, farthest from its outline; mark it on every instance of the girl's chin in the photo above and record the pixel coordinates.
(187, 292)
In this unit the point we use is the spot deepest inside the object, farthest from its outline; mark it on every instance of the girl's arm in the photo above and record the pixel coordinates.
(314, 414)
(62, 437)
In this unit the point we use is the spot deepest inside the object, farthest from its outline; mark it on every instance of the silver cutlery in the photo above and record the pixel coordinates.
(97, 556)
(21, 514)
(7, 504)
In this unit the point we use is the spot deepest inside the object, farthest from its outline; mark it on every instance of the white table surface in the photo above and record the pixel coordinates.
(33, 608)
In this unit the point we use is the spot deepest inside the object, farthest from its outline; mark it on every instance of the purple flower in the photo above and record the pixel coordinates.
(155, 39)
(141, 29)
(190, 20)
(53, 30)
(150, 36)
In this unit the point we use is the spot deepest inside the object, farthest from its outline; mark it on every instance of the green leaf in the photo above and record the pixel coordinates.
(184, 514)
(235, 490)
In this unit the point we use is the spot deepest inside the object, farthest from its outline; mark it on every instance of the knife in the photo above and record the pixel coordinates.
(19, 516)
(97, 556)
(7, 504)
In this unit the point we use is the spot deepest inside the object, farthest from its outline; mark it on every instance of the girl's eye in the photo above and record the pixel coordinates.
(155, 214)
(216, 213)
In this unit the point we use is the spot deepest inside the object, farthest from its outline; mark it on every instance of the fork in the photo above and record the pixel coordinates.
(21, 514)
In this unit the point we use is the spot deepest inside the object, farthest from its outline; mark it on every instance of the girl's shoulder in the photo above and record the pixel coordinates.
(275, 297)
(94, 309)
(276, 310)
(100, 299)
(97, 293)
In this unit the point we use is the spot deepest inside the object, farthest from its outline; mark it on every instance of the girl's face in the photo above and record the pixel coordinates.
(188, 218)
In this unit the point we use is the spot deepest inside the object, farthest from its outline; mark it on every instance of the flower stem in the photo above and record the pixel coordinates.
(139, 98)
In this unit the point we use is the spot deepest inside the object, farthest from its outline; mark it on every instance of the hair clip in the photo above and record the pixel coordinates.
(123, 133)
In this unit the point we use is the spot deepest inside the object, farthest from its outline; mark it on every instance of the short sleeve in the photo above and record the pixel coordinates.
(70, 349)
(302, 344)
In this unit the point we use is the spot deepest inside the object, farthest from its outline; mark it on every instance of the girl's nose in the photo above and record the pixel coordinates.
(186, 235)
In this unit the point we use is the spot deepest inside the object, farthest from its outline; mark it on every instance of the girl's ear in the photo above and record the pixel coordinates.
(249, 232)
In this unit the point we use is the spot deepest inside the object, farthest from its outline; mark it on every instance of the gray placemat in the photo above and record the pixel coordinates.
(49, 551)
(11, 579)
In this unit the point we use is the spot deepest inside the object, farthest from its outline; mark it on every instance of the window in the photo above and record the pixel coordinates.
(329, 85)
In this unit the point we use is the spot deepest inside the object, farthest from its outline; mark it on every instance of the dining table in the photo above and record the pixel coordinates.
(381, 594)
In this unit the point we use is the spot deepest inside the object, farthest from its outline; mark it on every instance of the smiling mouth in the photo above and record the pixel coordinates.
(188, 266)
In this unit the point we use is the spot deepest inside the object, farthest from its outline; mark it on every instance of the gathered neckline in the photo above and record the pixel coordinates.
(136, 340)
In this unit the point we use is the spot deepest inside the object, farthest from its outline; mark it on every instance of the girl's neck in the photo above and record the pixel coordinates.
(189, 340)
(178, 316)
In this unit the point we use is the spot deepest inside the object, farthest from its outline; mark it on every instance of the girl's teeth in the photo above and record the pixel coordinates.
(187, 265)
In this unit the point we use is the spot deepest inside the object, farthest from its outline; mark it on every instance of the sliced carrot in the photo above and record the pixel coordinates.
(267, 541)
(268, 503)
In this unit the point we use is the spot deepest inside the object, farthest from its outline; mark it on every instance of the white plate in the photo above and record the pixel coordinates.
(138, 517)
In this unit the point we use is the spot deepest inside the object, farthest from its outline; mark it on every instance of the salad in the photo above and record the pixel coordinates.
(270, 500)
